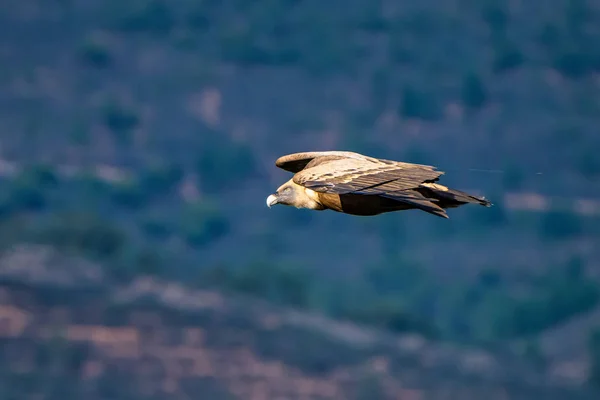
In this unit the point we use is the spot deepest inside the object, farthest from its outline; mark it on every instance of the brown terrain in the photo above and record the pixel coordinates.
(156, 339)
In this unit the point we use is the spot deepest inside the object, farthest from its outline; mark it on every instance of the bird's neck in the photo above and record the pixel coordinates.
(310, 200)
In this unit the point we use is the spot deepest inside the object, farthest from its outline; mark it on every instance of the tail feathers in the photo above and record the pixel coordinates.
(468, 198)
(419, 201)
(456, 196)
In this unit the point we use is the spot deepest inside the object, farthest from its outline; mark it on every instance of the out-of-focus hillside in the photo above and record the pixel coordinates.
(172, 114)
(65, 335)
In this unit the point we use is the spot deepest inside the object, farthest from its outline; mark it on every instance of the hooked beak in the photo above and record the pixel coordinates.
(271, 200)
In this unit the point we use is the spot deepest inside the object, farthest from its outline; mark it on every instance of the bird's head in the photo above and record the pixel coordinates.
(292, 194)
(285, 194)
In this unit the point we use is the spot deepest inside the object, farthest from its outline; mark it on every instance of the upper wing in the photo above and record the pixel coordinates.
(297, 161)
(365, 176)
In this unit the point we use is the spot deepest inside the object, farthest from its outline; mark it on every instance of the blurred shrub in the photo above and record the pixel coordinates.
(572, 45)
(473, 91)
(129, 194)
(560, 297)
(514, 177)
(549, 35)
(319, 354)
(393, 235)
(531, 350)
(95, 54)
(395, 276)
(201, 15)
(25, 193)
(489, 310)
(370, 387)
(377, 303)
(152, 182)
(40, 175)
(222, 163)
(389, 313)
(327, 47)
(154, 17)
(489, 278)
(202, 222)
(594, 355)
(588, 163)
(418, 105)
(79, 134)
(279, 34)
(495, 14)
(28, 191)
(83, 233)
(155, 226)
(421, 24)
(13, 229)
(66, 359)
(381, 88)
(507, 56)
(112, 383)
(121, 120)
(90, 190)
(399, 50)
(559, 225)
(243, 48)
(389, 298)
(161, 178)
(575, 63)
(90, 236)
(372, 18)
(248, 47)
(137, 260)
(280, 284)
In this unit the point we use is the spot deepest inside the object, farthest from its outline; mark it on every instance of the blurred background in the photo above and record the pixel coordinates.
(137, 146)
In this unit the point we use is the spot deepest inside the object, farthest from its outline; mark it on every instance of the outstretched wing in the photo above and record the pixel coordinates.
(297, 161)
(365, 176)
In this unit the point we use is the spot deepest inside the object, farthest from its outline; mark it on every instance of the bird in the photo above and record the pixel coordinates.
(360, 185)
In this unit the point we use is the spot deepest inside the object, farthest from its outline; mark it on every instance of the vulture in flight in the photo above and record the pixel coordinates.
(356, 184)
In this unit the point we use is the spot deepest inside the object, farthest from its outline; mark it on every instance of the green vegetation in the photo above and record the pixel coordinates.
(202, 223)
(474, 94)
(234, 162)
(479, 84)
(418, 105)
(95, 53)
(320, 354)
(120, 120)
(560, 225)
(396, 294)
(594, 346)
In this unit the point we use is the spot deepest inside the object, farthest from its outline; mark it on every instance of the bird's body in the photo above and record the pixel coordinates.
(356, 184)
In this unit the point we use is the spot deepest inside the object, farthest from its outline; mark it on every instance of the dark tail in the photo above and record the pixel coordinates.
(416, 199)
(450, 198)
(434, 198)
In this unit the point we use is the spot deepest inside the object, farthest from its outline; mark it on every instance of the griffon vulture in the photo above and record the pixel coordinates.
(356, 184)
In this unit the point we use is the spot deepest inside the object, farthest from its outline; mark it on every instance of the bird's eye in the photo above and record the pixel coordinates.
(287, 189)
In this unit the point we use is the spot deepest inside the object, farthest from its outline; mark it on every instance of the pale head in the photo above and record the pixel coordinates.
(292, 194)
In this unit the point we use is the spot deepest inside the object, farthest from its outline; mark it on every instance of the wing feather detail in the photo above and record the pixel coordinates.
(365, 176)
(295, 162)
